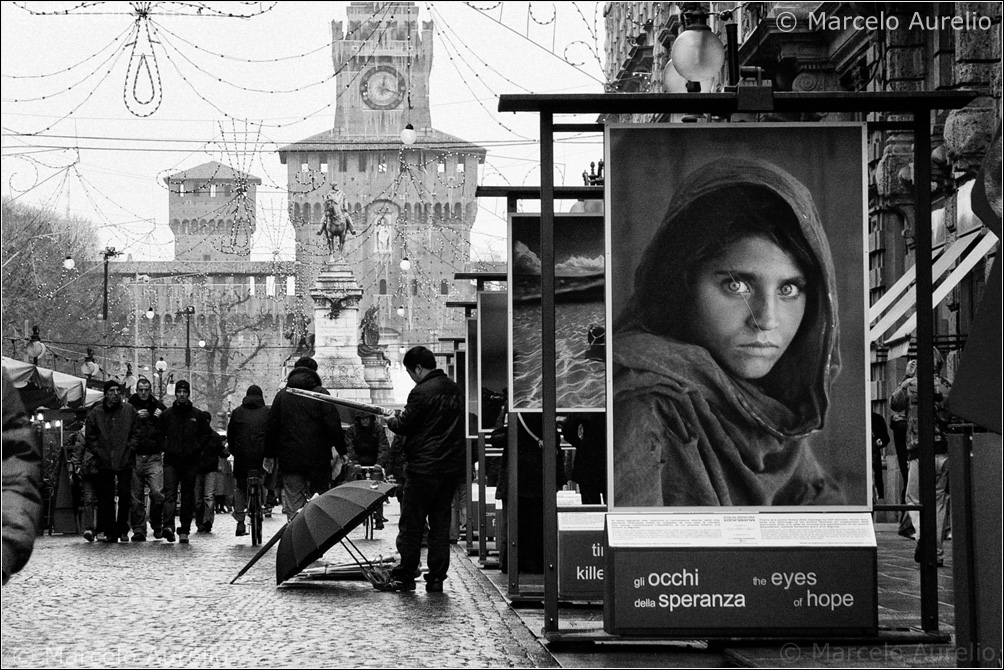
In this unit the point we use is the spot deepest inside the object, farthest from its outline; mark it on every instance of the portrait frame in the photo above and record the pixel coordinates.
(646, 166)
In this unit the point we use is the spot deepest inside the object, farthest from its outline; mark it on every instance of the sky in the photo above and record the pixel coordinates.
(82, 138)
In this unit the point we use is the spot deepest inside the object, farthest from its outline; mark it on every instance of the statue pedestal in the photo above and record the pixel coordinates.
(336, 296)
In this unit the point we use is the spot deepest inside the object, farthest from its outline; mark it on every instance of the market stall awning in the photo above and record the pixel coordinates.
(67, 389)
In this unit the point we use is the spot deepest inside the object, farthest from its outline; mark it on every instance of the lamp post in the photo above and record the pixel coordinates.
(89, 368)
(35, 348)
(188, 312)
(109, 252)
(161, 367)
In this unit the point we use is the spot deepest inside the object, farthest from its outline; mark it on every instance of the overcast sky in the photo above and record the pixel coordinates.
(64, 88)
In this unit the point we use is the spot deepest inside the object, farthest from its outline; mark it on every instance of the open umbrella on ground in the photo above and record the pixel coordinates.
(324, 521)
(328, 519)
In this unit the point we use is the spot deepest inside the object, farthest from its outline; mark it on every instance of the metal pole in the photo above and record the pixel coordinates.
(925, 369)
(104, 310)
(547, 370)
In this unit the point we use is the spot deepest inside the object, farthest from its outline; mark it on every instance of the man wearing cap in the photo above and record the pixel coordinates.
(149, 470)
(246, 441)
(111, 435)
(301, 434)
(187, 431)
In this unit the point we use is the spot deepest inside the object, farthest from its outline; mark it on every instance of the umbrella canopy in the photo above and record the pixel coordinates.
(324, 521)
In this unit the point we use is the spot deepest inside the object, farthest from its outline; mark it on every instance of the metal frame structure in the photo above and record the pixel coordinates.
(917, 106)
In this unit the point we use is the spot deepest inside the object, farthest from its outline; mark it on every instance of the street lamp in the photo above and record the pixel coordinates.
(188, 312)
(35, 348)
(161, 366)
(89, 368)
(697, 54)
(150, 313)
(109, 252)
(69, 263)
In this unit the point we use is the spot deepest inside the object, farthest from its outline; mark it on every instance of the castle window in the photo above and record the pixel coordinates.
(414, 287)
(212, 190)
(382, 165)
(444, 287)
(460, 165)
(383, 287)
(441, 166)
(362, 162)
(324, 165)
(290, 285)
(181, 188)
(251, 286)
(270, 285)
(343, 162)
(304, 166)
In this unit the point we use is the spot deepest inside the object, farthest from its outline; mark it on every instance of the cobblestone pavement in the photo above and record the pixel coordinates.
(156, 604)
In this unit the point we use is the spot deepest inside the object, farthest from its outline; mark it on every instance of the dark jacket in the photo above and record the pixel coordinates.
(246, 435)
(212, 450)
(367, 446)
(22, 482)
(301, 431)
(433, 422)
(111, 435)
(149, 438)
(83, 461)
(186, 430)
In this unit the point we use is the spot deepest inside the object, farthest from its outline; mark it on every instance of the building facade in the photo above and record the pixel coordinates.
(213, 315)
(408, 202)
(836, 46)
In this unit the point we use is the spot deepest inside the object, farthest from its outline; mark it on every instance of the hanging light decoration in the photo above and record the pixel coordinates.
(69, 263)
(405, 264)
(150, 313)
(400, 310)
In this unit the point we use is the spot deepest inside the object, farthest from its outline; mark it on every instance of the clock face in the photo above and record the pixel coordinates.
(383, 87)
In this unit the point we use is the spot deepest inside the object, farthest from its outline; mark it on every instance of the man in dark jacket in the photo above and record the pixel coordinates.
(433, 423)
(246, 441)
(22, 481)
(186, 432)
(149, 470)
(111, 433)
(301, 433)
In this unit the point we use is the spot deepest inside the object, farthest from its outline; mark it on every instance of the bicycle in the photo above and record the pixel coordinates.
(374, 521)
(254, 504)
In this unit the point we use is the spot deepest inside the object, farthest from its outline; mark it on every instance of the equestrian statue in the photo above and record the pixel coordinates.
(337, 222)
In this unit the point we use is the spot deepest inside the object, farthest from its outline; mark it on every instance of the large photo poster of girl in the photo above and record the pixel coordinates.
(736, 312)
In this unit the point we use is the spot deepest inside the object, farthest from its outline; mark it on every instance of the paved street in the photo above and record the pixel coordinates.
(157, 604)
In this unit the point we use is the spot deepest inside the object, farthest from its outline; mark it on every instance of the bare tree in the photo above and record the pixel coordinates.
(65, 304)
(234, 343)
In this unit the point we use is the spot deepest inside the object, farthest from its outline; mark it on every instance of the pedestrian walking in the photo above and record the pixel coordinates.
(186, 431)
(207, 477)
(904, 399)
(433, 423)
(111, 436)
(246, 441)
(148, 475)
(85, 468)
(301, 433)
(22, 482)
(367, 445)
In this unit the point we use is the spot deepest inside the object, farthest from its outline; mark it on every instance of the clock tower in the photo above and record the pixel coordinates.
(414, 202)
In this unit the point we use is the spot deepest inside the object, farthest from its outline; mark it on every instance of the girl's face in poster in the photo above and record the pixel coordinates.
(748, 305)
